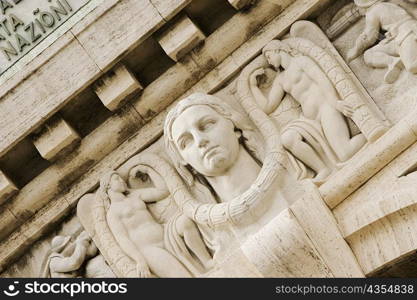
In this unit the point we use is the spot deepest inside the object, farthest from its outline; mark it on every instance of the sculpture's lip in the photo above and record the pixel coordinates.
(209, 151)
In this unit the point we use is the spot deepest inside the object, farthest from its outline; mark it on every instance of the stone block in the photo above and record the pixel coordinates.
(56, 137)
(179, 39)
(116, 86)
(241, 4)
(7, 187)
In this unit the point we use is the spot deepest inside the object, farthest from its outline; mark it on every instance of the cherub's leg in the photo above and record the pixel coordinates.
(408, 53)
(337, 133)
(163, 264)
(385, 56)
(193, 240)
(293, 142)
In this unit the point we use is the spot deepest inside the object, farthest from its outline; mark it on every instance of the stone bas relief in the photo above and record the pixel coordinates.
(321, 112)
(139, 234)
(267, 175)
(210, 145)
(319, 138)
(196, 206)
(141, 228)
(72, 259)
(192, 208)
(210, 142)
(69, 252)
(377, 39)
(398, 48)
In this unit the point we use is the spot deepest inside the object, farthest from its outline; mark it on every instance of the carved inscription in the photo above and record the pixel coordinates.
(24, 24)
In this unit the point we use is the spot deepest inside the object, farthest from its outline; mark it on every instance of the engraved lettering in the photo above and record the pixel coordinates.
(67, 5)
(47, 19)
(9, 51)
(21, 42)
(33, 35)
(5, 27)
(4, 6)
(59, 10)
(16, 22)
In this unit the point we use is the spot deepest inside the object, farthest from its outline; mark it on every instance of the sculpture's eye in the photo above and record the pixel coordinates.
(206, 125)
(184, 142)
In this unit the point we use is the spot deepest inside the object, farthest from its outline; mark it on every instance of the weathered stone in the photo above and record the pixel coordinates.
(272, 110)
(241, 4)
(116, 86)
(65, 73)
(56, 138)
(105, 40)
(217, 47)
(169, 8)
(245, 47)
(180, 38)
(7, 187)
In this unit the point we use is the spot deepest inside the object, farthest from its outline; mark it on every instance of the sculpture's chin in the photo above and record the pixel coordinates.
(217, 165)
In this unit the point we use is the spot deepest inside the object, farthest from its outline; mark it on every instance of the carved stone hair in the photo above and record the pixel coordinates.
(277, 45)
(249, 138)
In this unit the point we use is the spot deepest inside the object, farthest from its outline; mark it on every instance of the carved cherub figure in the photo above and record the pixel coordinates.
(320, 137)
(66, 258)
(399, 47)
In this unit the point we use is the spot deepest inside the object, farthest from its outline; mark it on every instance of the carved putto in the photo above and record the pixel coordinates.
(397, 50)
(70, 259)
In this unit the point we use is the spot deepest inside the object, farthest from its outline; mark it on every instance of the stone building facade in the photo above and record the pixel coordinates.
(208, 138)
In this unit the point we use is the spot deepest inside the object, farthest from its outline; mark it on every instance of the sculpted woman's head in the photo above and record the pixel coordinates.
(273, 52)
(110, 181)
(204, 133)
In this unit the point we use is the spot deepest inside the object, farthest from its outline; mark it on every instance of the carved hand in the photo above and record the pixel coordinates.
(345, 108)
(257, 74)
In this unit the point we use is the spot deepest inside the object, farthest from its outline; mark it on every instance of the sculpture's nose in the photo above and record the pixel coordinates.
(202, 142)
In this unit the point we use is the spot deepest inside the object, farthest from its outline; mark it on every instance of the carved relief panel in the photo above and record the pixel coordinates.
(229, 164)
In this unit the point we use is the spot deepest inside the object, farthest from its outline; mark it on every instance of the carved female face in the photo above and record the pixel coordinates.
(273, 58)
(206, 140)
(117, 184)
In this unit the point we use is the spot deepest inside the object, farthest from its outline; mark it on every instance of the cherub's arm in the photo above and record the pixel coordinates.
(367, 38)
(122, 238)
(276, 94)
